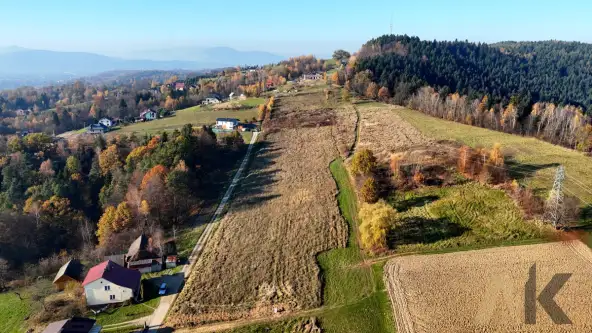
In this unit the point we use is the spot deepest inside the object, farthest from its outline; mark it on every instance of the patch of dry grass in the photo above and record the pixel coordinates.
(384, 132)
(345, 129)
(263, 254)
(483, 291)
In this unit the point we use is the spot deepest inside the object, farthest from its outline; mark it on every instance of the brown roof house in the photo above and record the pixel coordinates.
(70, 272)
(142, 256)
(73, 325)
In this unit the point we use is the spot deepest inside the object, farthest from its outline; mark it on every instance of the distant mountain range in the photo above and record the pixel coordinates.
(20, 66)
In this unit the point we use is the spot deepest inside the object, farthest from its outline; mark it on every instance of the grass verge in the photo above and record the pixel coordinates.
(13, 312)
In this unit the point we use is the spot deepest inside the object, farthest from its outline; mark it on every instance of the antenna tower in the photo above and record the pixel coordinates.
(554, 206)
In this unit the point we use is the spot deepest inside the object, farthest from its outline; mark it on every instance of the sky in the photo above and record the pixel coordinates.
(283, 27)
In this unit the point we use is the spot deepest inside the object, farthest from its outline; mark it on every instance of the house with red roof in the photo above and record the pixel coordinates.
(108, 283)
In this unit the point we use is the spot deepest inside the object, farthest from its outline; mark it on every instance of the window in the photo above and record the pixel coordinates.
(107, 288)
(111, 297)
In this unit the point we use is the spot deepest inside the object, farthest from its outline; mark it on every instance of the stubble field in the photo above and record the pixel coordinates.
(262, 257)
(483, 290)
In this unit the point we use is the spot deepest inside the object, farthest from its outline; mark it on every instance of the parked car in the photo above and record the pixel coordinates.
(163, 289)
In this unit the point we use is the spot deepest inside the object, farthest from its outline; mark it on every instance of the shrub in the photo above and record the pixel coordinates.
(376, 219)
(363, 162)
(369, 191)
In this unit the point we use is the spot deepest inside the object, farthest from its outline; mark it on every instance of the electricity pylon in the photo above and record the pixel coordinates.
(554, 207)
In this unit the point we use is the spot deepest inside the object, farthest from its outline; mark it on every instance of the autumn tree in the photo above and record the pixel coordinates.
(335, 78)
(341, 56)
(363, 162)
(369, 190)
(73, 165)
(46, 168)
(122, 218)
(372, 90)
(345, 95)
(105, 225)
(109, 159)
(376, 219)
(384, 94)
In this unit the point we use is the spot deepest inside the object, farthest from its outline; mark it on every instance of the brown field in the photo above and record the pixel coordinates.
(384, 131)
(345, 129)
(263, 254)
(457, 292)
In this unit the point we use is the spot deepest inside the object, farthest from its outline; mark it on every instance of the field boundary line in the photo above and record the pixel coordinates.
(403, 320)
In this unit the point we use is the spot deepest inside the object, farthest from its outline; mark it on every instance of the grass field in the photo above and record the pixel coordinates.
(252, 102)
(13, 312)
(459, 216)
(127, 313)
(193, 115)
(535, 162)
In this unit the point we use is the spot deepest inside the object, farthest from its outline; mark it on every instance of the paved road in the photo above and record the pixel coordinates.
(157, 318)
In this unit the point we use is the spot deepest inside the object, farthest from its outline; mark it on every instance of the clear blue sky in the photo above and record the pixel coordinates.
(284, 27)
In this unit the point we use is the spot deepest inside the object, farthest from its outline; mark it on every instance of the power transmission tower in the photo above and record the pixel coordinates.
(554, 207)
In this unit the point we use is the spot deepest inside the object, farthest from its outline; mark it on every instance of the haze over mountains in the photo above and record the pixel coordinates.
(21, 66)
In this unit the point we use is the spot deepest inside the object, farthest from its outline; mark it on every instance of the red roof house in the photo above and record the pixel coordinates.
(108, 283)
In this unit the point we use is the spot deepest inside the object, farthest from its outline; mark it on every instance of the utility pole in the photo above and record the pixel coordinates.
(554, 206)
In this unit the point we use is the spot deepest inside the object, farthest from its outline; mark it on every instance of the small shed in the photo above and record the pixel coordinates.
(142, 256)
(73, 325)
(98, 129)
(69, 272)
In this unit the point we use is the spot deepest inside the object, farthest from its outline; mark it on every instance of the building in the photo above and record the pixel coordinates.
(98, 129)
(179, 86)
(106, 121)
(170, 253)
(247, 127)
(142, 256)
(108, 283)
(211, 100)
(148, 115)
(231, 96)
(70, 272)
(242, 97)
(74, 325)
(316, 76)
(227, 123)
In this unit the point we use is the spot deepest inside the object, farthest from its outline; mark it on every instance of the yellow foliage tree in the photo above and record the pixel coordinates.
(105, 225)
(495, 156)
(372, 90)
(363, 162)
(109, 159)
(376, 220)
(369, 191)
(122, 218)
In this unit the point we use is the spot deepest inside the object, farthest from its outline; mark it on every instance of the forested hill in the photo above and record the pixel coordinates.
(550, 71)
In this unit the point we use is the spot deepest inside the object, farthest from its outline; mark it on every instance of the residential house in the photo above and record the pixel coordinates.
(20, 112)
(179, 86)
(107, 122)
(108, 283)
(69, 272)
(97, 129)
(74, 325)
(316, 76)
(142, 256)
(227, 123)
(243, 127)
(211, 100)
(242, 97)
(148, 115)
(231, 96)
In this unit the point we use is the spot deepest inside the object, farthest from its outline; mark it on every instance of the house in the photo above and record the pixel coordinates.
(211, 100)
(74, 325)
(242, 97)
(107, 122)
(227, 123)
(108, 283)
(316, 76)
(142, 256)
(179, 86)
(231, 96)
(170, 253)
(97, 129)
(247, 127)
(20, 112)
(148, 115)
(70, 272)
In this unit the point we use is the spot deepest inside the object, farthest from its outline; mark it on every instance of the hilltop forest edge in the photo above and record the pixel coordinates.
(71, 196)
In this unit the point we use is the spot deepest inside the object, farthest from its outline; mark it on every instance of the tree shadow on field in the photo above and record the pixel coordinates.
(520, 171)
(416, 229)
(405, 205)
(257, 178)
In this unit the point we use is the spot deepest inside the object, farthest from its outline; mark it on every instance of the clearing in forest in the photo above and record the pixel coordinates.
(484, 290)
(262, 257)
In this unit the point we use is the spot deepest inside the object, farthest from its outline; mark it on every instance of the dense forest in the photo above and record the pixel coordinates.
(92, 196)
(550, 71)
(541, 89)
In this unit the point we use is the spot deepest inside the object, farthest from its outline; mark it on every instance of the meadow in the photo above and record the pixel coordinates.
(531, 161)
(13, 311)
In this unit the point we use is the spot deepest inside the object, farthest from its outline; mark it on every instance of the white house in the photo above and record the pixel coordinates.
(231, 96)
(106, 122)
(316, 76)
(109, 283)
(211, 100)
(148, 115)
(227, 123)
